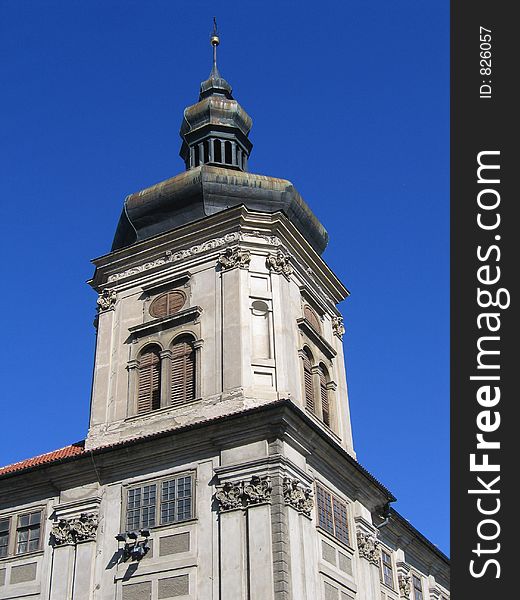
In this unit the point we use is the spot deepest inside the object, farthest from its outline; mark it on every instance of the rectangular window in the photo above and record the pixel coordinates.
(387, 575)
(171, 498)
(332, 514)
(417, 588)
(4, 537)
(28, 532)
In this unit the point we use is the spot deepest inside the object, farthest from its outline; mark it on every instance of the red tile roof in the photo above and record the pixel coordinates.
(49, 457)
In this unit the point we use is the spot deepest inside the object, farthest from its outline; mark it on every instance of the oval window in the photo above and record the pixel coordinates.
(167, 304)
(312, 317)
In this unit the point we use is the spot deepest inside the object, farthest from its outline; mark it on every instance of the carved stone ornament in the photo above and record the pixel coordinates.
(337, 327)
(279, 263)
(235, 257)
(229, 496)
(61, 533)
(72, 531)
(258, 490)
(297, 496)
(368, 547)
(405, 586)
(106, 299)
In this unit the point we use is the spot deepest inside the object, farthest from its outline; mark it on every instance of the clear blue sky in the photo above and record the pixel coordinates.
(349, 101)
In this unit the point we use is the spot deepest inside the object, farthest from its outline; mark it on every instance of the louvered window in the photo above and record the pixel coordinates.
(312, 317)
(332, 514)
(149, 382)
(324, 396)
(167, 304)
(183, 371)
(307, 379)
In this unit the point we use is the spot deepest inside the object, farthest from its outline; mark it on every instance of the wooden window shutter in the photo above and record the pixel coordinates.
(183, 371)
(312, 317)
(167, 304)
(149, 381)
(324, 395)
(308, 383)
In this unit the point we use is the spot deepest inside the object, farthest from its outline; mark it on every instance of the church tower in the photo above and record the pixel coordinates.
(219, 462)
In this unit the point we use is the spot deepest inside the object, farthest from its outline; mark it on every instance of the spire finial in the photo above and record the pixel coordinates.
(215, 41)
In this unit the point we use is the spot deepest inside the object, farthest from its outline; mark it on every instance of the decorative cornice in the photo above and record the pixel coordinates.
(73, 531)
(173, 257)
(279, 263)
(297, 496)
(368, 547)
(337, 327)
(234, 257)
(106, 300)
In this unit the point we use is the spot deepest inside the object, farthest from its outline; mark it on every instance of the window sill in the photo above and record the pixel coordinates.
(13, 557)
(187, 315)
(162, 410)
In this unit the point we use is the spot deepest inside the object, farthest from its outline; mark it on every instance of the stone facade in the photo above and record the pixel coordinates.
(247, 488)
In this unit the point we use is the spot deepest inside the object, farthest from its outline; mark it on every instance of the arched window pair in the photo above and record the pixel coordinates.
(166, 378)
(316, 382)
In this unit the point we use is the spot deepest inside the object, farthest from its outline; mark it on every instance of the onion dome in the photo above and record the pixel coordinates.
(215, 130)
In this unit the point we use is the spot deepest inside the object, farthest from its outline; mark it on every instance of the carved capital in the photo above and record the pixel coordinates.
(257, 491)
(405, 586)
(85, 527)
(279, 263)
(72, 531)
(337, 327)
(229, 496)
(61, 533)
(297, 496)
(368, 547)
(235, 257)
(106, 300)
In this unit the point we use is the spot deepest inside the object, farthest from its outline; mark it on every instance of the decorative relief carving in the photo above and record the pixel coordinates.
(172, 257)
(368, 547)
(229, 496)
(297, 496)
(72, 531)
(405, 586)
(337, 327)
(232, 496)
(272, 240)
(235, 257)
(106, 299)
(258, 490)
(279, 263)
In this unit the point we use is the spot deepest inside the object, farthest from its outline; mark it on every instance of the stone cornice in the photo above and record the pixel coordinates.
(315, 337)
(188, 315)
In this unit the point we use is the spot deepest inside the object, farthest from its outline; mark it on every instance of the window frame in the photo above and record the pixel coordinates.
(126, 488)
(13, 520)
(416, 577)
(340, 501)
(390, 565)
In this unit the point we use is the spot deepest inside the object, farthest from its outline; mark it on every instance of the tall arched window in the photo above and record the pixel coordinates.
(324, 395)
(307, 380)
(183, 370)
(149, 380)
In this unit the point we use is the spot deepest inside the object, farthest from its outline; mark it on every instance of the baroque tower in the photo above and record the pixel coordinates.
(219, 461)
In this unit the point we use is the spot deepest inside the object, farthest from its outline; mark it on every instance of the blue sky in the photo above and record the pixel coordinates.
(349, 100)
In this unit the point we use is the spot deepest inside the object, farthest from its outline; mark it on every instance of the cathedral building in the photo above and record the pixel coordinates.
(219, 462)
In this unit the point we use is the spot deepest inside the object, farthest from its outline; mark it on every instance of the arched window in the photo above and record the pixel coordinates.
(167, 304)
(183, 370)
(312, 317)
(307, 380)
(324, 395)
(149, 380)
